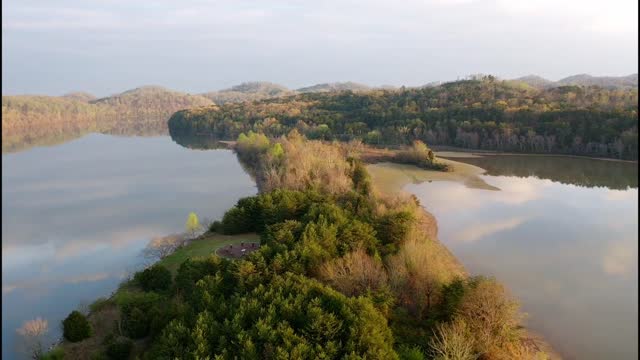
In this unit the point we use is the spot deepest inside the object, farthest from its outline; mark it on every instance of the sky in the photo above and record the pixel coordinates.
(108, 46)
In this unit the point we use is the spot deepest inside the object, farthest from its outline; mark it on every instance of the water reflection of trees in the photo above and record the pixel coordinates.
(198, 142)
(208, 142)
(567, 170)
(62, 133)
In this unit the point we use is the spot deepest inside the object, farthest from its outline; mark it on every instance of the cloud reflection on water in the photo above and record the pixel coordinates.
(568, 252)
(76, 216)
(479, 231)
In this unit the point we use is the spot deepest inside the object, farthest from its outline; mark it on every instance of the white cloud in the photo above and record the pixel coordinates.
(87, 278)
(620, 195)
(377, 41)
(484, 230)
(614, 16)
(620, 258)
(41, 281)
(517, 191)
(111, 241)
(8, 288)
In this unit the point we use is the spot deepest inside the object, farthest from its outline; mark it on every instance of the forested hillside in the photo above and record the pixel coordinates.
(329, 87)
(261, 90)
(613, 82)
(147, 102)
(476, 114)
(36, 120)
(250, 91)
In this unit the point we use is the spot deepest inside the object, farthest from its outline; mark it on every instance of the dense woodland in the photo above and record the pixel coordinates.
(530, 114)
(342, 272)
(476, 114)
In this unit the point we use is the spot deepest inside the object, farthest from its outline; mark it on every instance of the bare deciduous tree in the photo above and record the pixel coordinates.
(491, 314)
(355, 273)
(32, 334)
(205, 223)
(162, 246)
(453, 341)
(418, 271)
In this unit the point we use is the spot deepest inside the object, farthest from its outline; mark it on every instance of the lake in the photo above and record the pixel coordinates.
(75, 217)
(560, 232)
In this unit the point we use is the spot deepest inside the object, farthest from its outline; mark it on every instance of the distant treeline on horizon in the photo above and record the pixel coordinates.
(485, 113)
(598, 117)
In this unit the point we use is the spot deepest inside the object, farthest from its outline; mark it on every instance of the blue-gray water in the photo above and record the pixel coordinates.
(562, 234)
(75, 217)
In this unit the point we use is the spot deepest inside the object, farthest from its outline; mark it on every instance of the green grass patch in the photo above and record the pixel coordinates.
(205, 245)
(56, 353)
(99, 304)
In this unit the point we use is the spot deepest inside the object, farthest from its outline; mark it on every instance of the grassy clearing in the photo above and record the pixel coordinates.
(205, 245)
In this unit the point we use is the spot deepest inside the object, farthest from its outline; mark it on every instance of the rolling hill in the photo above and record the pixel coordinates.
(582, 80)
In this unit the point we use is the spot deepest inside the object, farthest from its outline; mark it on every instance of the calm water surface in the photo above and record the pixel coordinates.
(75, 217)
(562, 234)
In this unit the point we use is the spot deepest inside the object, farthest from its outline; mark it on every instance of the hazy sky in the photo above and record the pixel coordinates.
(107, 46)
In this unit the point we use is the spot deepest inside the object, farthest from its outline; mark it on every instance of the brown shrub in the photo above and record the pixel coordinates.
(514, 350)
(453, 341)
(492, 315)
(312, 164)
(354, 274)
(418, 271)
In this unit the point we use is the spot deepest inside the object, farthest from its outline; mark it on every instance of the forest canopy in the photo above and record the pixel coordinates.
(476, 114)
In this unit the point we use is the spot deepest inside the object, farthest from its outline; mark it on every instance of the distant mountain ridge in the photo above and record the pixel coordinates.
(260, 90)
(338, 86)
(155, 97)
(79, 96)
(582, 80)
(248, 91)
(535, 81)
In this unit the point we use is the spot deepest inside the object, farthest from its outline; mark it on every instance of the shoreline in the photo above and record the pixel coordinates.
(480, 153)
(533, 339)
(393, 177)
(427, 224)
(373, 154)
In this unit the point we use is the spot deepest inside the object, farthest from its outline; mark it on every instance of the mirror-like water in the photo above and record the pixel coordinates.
(75, 217)
(562, 234)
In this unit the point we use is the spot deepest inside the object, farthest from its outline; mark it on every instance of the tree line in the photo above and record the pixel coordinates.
(477, 114)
